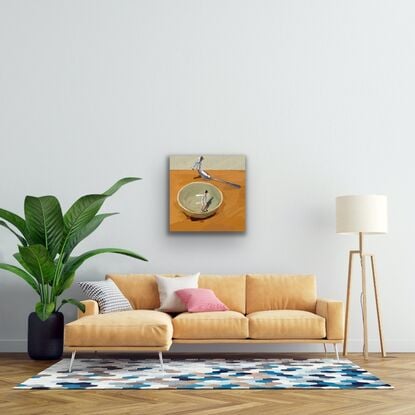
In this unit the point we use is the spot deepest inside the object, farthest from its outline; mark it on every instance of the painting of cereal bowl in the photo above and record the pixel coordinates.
(199, 200)
(207, 193)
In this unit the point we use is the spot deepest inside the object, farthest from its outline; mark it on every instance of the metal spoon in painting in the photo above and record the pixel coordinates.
(206, 201)
(205, 175)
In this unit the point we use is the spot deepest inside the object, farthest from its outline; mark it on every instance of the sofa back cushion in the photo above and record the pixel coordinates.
(230, 289)
(142, 291)
(280, 292)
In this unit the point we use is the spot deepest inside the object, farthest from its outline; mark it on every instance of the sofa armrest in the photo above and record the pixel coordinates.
(332, 311)
(91, 308)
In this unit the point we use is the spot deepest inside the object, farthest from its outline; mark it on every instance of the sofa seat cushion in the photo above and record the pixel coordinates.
(286, 324)
(210, 325)
(124, 328)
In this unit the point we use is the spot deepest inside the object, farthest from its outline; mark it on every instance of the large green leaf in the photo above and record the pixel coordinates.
(22, 274)
(75, 262)
(19, 259)
(19, 237)
(44, 310)
(81, 213)
(15, 220)
(44, 222)
(73, 302)
(63, 284)
(115, 187)
(39, 261)
(84, 232)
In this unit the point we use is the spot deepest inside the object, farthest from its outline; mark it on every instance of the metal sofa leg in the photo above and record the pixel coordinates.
(161, 360)
(71, 362)
(336, 350)
(325, 349)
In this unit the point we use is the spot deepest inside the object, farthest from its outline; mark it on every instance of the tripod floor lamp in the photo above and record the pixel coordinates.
(365, 214)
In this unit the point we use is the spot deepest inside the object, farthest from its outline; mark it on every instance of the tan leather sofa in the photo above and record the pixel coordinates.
(263, 308)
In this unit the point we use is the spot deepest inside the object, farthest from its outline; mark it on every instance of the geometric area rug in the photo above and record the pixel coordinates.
(205, 374)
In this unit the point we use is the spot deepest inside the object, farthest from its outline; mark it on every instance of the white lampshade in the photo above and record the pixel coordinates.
(365, 213)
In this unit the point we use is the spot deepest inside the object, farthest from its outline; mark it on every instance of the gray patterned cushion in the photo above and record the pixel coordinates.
(106, 294)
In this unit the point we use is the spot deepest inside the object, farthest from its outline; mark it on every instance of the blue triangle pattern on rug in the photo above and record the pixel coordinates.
(205, 374)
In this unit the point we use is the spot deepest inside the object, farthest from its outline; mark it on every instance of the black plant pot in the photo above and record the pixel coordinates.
(45, 338)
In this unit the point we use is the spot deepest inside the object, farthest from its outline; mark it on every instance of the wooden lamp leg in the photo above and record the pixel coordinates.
(346, 317)
(364, 307)
(382, 348)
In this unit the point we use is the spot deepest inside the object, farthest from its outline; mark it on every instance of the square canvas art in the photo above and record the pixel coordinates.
(207, 193)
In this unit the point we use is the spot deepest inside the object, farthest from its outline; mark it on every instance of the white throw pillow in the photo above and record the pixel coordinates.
(167, 286)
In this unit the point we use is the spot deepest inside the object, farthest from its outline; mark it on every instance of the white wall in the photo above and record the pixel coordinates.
(318, 95)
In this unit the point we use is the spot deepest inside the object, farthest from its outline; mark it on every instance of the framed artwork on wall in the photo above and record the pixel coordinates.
(207, 193)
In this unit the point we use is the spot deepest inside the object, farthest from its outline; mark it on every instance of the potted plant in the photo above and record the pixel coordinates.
(47, 239)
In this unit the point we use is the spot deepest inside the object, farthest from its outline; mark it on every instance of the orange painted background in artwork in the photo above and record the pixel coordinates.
(231, 215)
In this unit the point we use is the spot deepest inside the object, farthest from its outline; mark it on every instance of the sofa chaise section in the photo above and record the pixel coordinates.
(145, 329)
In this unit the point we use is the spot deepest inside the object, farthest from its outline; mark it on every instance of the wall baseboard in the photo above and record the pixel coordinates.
(19, 345)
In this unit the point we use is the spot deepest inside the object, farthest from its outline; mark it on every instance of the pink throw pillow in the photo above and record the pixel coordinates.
(200, 299)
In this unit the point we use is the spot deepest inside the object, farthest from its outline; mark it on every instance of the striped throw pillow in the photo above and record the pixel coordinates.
(106, 294)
